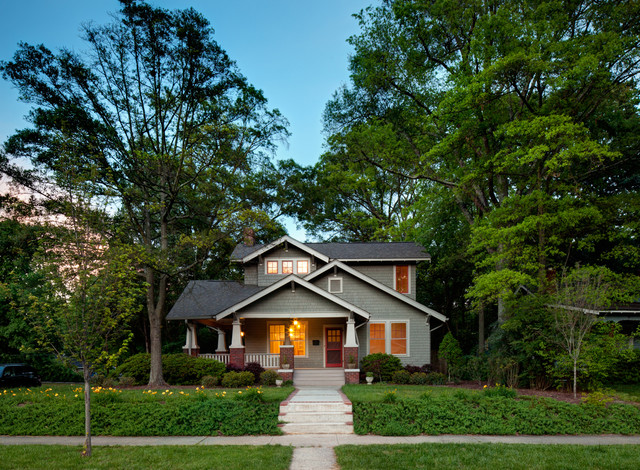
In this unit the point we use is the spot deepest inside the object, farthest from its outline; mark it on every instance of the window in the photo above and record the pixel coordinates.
(303, 267)
(287, 267)
(402, 279)
(276, 338)
(272, 267)
(335, 285)
(389, 337)
(297, 336)
(377, 341)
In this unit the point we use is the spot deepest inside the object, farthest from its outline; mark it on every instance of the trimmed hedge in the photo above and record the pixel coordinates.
(237, 379)
(177, 369)
(381, 365)
(118, 418)
(480, 415)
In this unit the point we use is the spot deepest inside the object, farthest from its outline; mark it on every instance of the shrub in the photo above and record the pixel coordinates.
(233, 368)
(268, 377)
(451, 352)
(413, 369)
(418, 378)
(237, 379)
(381, 365)
(209, 381)
(390, 396)
(256, 369)
(436, 378)
(599, 398)
(251, 394)
(177, 369)
(401, 377)
(499, 391)
(125, 381)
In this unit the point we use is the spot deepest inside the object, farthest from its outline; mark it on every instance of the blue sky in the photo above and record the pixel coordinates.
(294, 50)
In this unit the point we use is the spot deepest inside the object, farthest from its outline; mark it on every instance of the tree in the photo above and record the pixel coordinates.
(91, 291)
(535, 141)
(156, 116)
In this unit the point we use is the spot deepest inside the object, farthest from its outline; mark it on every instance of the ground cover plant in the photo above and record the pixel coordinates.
(58, 410)
(156, 457)
(407, 410)
(481, 456)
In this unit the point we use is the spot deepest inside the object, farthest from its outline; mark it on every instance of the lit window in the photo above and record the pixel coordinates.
(377, 338)
(298, 336)
(276, 338)
(272, 267)
(402, 279)
(287, 267)
(303, 267)
(398, 338)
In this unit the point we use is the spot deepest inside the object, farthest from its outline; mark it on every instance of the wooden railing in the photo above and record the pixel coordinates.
(268, 361)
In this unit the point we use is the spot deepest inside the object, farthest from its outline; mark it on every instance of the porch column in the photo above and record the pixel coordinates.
(222, 346)
(191, 345)
(351, 376)
(236, 350)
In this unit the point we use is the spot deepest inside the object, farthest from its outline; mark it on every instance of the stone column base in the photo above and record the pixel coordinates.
(236, 357)
(352, 376)
(286, 374)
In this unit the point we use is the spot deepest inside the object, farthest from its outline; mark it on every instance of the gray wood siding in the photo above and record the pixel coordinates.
(251, 274)
(386, 275)
(279, 254)
(382, 307)
(293, 303)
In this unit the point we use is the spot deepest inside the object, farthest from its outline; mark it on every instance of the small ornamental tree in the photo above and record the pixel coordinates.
(451, 352)
(91, 291)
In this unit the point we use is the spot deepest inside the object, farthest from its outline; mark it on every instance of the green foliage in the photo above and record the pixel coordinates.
(599, 398)
(499, 391)
(49, 367)
(209, 381)
(450, 351)
(390, 396)
(419, 378)
(256, 369)
(381, 365)
(178, 369)
(125, 381)
(251, 395)
(436, 378)
(401, 377)
(269, 377)
(237, 379)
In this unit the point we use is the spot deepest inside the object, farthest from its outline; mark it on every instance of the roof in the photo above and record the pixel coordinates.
(370, 251)
(205, 299)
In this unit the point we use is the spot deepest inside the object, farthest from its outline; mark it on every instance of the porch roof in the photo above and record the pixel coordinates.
(205, 299)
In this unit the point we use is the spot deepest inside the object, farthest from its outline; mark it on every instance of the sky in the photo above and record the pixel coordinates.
(295, 51)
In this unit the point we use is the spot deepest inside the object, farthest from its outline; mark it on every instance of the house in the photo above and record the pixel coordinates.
(313, 306)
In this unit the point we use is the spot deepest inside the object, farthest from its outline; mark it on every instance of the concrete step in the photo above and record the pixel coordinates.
(321, 417)
(326, 377)
(331, 407)
(315, 428)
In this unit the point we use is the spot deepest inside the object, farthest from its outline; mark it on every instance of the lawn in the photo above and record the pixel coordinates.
(375, 392)
(627, 392)
(59, 410)
(487, 456)
(161, 457)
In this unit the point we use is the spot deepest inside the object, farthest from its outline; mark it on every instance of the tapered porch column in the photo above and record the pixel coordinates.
(191, 346)
(351, 376)
(222, 345)
(236, 350)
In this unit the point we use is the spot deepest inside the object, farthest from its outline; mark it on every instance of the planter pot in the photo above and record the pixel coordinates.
(351, 365)
(279, 382)
(285, 366)
(369, 380)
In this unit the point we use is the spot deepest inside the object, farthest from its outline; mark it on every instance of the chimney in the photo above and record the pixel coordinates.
(249, 236)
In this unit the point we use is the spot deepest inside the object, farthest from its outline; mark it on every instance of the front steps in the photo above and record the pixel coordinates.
(318, 377)
(316, 411)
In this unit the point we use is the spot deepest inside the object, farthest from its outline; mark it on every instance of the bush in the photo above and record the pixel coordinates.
(381, 365)
(48, 366)
(237, 379)
(209, 381)
(401, 377)
(436, 378)
(499, 391)
(126, 381)
(177, 369)
(413, 369)
(256, 369)
(418, 378)
(269, 377)
(451, 352)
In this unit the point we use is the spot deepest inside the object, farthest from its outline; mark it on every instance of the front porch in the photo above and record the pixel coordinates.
(283, 344)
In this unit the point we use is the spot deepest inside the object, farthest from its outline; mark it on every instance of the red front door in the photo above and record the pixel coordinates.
(334, 347)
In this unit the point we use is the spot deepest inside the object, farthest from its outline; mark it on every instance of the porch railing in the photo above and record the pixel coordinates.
(265, 360)
(224, 358)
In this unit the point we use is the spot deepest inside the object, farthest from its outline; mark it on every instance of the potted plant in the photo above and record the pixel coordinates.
(369, 378)
(285, 362)
(279, 380)
(351, 362)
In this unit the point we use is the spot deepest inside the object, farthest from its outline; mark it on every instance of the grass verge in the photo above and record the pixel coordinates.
(156, 457)
(487, 456)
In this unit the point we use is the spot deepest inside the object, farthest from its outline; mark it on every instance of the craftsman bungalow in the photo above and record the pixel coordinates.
(313, 306)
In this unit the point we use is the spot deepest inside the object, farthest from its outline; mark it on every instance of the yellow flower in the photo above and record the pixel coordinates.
(76, 395)
(56, 395)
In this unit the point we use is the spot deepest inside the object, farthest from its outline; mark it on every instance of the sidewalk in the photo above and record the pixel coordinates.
(318, 440)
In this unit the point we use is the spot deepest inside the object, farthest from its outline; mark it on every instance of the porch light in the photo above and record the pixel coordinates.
(242, 333)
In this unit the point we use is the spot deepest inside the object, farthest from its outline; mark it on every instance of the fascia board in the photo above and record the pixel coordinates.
(290, 240)
(301, 282)
(377, 284)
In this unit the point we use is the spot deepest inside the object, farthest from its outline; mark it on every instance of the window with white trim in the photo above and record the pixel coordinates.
(297, 336)
(391, 337)
(272, 267)
(287, 266)
(335, 285)
(401, 279)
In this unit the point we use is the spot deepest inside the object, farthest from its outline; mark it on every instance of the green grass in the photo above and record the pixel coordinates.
(487, 456)
(133, 458)
(627, 392)
(375, 392)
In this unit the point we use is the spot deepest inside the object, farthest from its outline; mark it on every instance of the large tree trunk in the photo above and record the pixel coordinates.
(87, 412)
(154, 310)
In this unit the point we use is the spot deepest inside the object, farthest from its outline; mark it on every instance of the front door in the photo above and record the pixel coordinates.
(334, 347)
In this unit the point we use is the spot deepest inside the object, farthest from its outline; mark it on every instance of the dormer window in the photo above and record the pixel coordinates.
(402, 279)
(272, 267)
(303, 266)
(287, 267)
